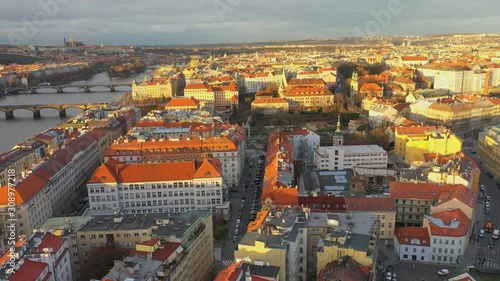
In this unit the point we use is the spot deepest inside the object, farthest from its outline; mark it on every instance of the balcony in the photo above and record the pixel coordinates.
(169, 268)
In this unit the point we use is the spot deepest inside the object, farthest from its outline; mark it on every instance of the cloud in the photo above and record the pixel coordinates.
(158, 22)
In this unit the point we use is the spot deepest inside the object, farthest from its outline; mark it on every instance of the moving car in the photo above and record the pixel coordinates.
(495, 234)
(443, 272)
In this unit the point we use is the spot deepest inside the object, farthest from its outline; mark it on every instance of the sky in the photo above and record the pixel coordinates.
(166, 22)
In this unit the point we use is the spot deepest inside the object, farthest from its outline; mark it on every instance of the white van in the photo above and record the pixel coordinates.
(495, 234)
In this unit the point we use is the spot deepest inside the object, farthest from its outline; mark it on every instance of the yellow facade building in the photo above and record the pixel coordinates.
(339, 244)
(411, 143)
(271, 105)
(488, 149)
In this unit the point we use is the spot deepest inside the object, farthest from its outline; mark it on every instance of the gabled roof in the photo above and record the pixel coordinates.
(449, 223)
(116, 172)
(50, 241)
(370, 87)
(429, 191)
(30, 271)
(183, 101)
(405, 235)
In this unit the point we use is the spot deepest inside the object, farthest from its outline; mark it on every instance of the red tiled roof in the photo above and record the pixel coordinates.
(449, 218)
(325, 203)
(50, 241)
(429, 191)
(375, 204)
(403, 80)
(405, 235)
(38, 179)
(270, 100)
(308, 91)
(29, 271)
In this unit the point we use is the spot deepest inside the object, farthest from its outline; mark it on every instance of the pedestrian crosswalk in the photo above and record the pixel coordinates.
(227, 263)
(492, 264)
(218, 253)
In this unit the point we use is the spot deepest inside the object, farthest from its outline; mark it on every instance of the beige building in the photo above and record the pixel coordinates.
(488, 149)
(271, 105)
(382, 208)
(50, 189)
(152, 90)
(14, 164)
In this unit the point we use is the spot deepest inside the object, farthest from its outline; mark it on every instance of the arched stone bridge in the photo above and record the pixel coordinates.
(86, 88)
(36, 108)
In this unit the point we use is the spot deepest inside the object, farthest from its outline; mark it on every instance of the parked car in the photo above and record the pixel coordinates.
(481, 233)
(235, 238)
(481, 260)
(443, 272)
(388, 273)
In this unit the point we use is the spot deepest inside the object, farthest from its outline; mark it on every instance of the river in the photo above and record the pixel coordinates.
(24, 125)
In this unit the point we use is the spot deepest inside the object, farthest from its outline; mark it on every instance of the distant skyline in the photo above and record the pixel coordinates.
(155, 22)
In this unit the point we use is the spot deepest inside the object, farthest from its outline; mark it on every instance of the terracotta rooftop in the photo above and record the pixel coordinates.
(405, 235)
(375, 204)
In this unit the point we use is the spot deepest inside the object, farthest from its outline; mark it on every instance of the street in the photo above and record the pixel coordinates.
(225, 252)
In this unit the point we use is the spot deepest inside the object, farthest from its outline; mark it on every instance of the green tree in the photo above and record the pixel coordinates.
(221, 232)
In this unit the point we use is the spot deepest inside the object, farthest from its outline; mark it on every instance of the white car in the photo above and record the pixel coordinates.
(481, 233)
(443, 272)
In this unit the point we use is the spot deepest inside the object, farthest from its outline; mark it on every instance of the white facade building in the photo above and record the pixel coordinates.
(156, 187)
(50, 256)
(412, 243)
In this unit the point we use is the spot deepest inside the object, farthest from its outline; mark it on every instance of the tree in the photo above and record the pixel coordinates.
(220, 232)
(13, 81)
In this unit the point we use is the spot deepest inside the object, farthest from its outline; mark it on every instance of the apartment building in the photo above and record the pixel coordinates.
(192, 230)
(277, 238)
(252, 83)
(153, 89)
(183, 103)
(156, 187)
(149, 261)
(270, 105)
(15, 163)
(67, 228)
(350, 236)
(449, 232)
(412, 244)
(51, 187)
(416, 200)
(42, 256)
(403, 135)
(488, 149)
(382, 208)
(229, 148)
(308, 97)
(214, 97)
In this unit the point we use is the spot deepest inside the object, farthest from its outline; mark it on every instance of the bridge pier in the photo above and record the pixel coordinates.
(62, 113)
(37, 114)
(33, 91)
(60, 90)
(112, 89)
(9, 115)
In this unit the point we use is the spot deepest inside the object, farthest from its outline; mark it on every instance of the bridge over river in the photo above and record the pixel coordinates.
(36, 108)
(60, 88)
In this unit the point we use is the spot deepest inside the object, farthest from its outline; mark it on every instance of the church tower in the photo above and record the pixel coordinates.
(283, 84)
(338, 138)
(355, 81)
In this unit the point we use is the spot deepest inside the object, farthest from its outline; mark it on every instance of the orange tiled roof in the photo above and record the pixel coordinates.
(429, 191)
(230, 273)
(116, 172)
(183, 102)
(197, 86)
(30, 271)
(414, 58)
(403, 80)
(259, 219)
(414, 131)
(370, 87)
(308, 91)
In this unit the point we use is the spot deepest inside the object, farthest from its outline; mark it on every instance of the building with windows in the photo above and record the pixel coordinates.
(412, 243)
(383, 208)
(450, 232)
(213, 97)
(50, 188)
(229, 148)
(341, 157)
(192, 230)
(183, 103)
(278, 238)
(254, 82)
(152, 90)
(488, 149)
(156, 187)
(271, 105)
(349, 235)
(42, 256)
